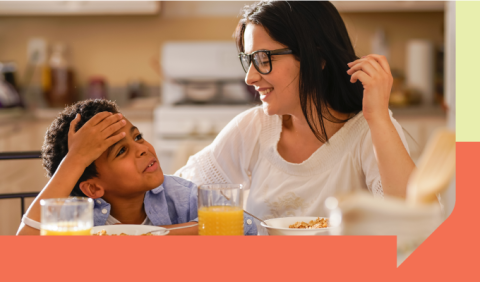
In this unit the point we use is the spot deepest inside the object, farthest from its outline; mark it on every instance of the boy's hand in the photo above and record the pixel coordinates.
(95, 136)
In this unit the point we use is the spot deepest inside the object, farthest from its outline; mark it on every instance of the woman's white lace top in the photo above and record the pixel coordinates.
(245, 152)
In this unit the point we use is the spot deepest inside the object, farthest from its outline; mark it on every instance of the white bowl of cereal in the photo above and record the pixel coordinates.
(129, 230)
(301, 225)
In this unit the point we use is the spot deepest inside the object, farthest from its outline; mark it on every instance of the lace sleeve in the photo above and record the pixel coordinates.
(202, 168)
(370, 167)
(228, 159)
(377, 189)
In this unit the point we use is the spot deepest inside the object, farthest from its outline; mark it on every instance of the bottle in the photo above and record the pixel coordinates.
(380, 44)
(97, 88)
(9, 94)
(59, 89)
(135, 88)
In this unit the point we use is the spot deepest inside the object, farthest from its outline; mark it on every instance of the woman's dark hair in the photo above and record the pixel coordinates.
(317, 35)
(55, 146)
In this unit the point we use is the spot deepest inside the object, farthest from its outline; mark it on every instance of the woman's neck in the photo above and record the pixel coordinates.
(128, 210)
(297, 141)
(297, 123)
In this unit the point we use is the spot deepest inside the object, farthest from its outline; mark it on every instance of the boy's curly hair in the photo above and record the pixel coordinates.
(55, 145)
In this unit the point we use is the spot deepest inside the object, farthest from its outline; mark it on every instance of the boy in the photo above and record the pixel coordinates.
(93, 149)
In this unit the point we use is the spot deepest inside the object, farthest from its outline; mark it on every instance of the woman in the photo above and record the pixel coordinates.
(324, 126)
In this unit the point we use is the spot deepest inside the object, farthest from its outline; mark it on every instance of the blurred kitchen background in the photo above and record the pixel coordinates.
(173, 69)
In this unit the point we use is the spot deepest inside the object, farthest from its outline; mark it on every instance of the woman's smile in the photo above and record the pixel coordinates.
(264, 92)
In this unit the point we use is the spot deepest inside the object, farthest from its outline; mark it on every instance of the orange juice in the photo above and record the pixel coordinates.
(220, 220)
(85, 232)
(65, 229)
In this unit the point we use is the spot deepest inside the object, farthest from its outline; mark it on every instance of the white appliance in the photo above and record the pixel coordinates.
(202, 91)
(203, 72)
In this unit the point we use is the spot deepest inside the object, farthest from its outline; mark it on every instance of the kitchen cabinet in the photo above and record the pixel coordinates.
(79, 8)
(388, 6)
(183, 9)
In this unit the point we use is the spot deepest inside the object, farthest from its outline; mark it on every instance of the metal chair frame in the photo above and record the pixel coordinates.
(19, 156)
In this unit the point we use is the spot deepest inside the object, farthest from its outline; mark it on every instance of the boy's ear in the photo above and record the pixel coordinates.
(92, 189)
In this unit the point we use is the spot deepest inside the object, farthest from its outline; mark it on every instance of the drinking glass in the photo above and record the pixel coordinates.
(67, 216)
(220, 209)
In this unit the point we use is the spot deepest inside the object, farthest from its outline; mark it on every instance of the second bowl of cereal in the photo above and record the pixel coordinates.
(302, 225)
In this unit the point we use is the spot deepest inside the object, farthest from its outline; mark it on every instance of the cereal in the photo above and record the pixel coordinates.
(313, 224)
(103, 232)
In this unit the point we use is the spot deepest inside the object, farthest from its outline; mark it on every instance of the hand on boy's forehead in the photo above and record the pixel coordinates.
(126, 128)
(129, 130)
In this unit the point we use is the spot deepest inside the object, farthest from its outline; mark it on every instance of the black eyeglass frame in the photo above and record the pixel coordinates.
(269, 53)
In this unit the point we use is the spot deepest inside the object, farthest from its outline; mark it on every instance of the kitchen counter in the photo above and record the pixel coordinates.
(143, 108)
(418, 111)
(140, 108)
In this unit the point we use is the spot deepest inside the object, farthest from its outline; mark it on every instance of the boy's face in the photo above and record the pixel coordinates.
(130, 166)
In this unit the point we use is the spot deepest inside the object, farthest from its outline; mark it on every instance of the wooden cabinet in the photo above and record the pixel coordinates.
(388, 6)
(79, 7)
(184, 9)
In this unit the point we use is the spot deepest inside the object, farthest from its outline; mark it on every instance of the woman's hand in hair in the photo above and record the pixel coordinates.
(374, 73)
(394, 162)
(95, 136)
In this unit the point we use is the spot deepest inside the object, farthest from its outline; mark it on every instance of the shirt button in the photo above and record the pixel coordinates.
(99, 202)
(249, 221)
(104, 211)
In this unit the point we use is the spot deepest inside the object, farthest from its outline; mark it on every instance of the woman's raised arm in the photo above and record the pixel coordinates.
(394, 162)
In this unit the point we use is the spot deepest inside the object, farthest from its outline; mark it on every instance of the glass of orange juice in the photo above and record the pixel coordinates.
(220, 209)
(66, 216)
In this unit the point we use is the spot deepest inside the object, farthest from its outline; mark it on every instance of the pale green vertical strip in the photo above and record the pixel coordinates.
(468, 71)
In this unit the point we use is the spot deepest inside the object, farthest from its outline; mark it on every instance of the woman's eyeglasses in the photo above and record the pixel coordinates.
(261, 59)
